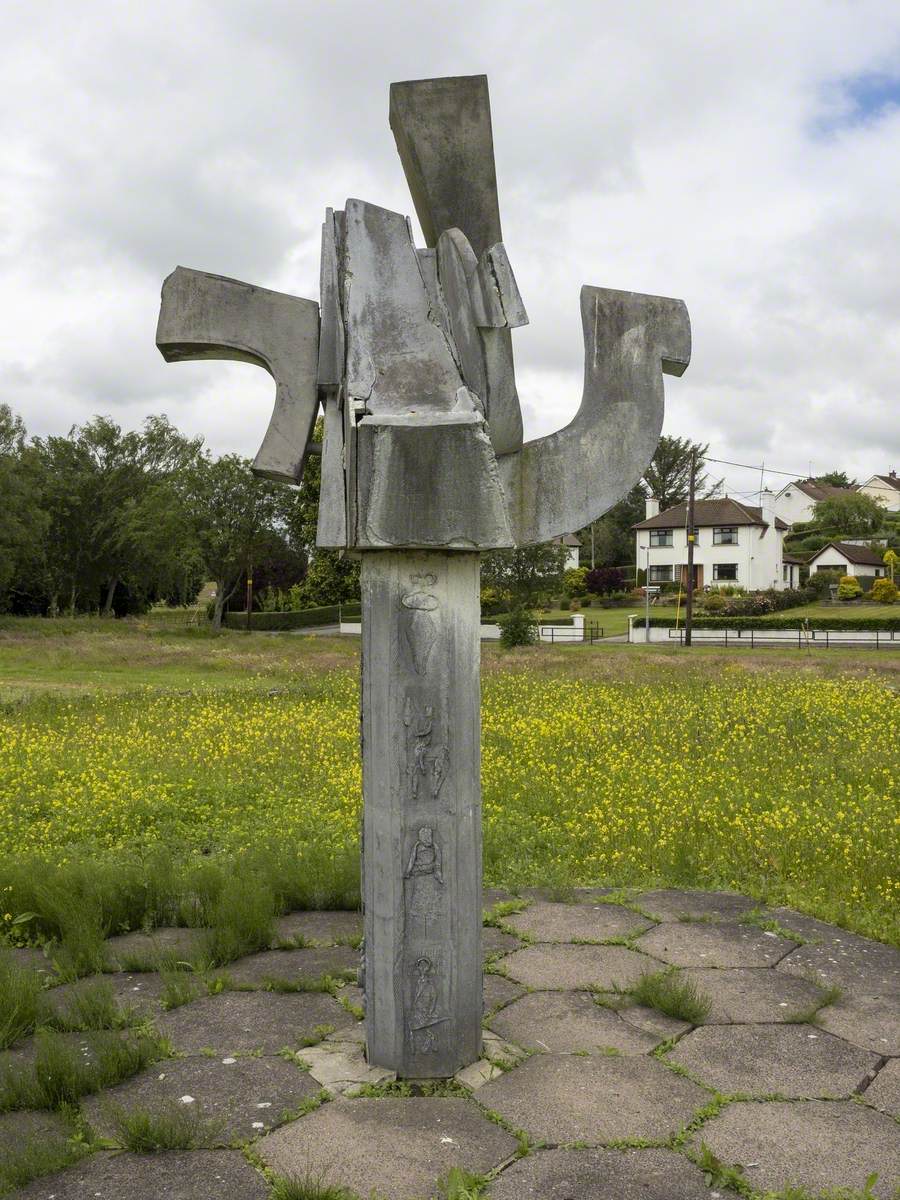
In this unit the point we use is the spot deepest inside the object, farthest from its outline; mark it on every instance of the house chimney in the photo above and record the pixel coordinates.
(652, 507)
(767, 506)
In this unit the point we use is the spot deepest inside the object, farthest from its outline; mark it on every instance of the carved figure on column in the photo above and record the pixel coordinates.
(425, 883)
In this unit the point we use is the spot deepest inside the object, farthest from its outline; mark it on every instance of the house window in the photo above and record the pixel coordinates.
(725, 570)
(725, 535)
(660, 537)
(660, 574)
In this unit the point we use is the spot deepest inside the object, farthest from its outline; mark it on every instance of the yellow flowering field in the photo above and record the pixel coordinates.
(779, 785)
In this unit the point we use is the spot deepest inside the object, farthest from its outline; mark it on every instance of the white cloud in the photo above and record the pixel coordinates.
(715, 152)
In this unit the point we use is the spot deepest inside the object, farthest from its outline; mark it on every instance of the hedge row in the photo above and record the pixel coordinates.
(303, 618)
(779, 621)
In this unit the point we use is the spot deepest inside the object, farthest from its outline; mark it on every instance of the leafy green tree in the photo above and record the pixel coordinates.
(669, 473)
(21, 516)
(233, 510)
(609, 541)
(853, 515)
(528, 573)
(835, 479)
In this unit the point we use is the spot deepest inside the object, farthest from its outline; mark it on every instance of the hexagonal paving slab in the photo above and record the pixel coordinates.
(872, 1022)
(569, 1098)
(495, 942)
(790, 1060)
(672, 904)
(657, 1024)
(690, 944)
(140, 991)
(290, 966)
(601, 1175)
(241, 1098)
(816, 1144)
(563, 1022)
(23, 1132)
(548, 922)
(240, 1022)
(747, 995)
(549, 966)
(861, 966)
(884, 1090)
(175, 1175)
(315, 926)
(398, 1147)
(499, 991)
(143, 951)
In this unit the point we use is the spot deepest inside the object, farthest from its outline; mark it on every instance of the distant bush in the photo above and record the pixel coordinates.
(575, 581)
(494, 600)
(821, 582)
(603, 580)
(714, 602)
(884, 591)
(849, 588)
(518, 628)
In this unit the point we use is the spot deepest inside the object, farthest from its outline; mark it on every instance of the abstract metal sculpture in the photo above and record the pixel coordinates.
(409, 354)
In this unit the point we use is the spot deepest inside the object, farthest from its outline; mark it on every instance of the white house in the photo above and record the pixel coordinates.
(885, 488)
(797, 499)
(573, 549)
(734, 543)
(849, 558)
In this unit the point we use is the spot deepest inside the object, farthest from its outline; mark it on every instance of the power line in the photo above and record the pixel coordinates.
(757, 467)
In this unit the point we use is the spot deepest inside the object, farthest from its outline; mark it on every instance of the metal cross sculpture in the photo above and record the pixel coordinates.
(409, 354)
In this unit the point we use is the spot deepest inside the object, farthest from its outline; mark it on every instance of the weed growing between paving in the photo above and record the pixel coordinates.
(669, 993)
(309, 1186)
(174, 1126)
(780, 785)
(21, 996)
(39, 1155)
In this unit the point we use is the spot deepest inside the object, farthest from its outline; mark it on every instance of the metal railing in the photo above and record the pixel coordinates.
(820, 638)
(570, 633)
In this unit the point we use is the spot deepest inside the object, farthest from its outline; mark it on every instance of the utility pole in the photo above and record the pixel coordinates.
(249, 594)
(689, 599)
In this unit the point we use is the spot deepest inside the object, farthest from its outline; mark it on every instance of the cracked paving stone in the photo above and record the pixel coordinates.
(499, 991)
(494, 942)
(241, 1098)
(563, 1022)
(166, 1175)
(884, 1090)
(569, 1098)
(604, 967)
(751, 995)
(398, 1147)
(722, 945)
(601, 1175)
(291, 966)
(241, 1022)
(492, 896)
(856, 963)
(816, 1144)
(670, 904)
(144, 951)
(320, 926)
(548, 922)
(872, 1022)
(790, 1060)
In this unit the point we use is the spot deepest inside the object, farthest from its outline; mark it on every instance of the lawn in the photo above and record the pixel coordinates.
(161, 751)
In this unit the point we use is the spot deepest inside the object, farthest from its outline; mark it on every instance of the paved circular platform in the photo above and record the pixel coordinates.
(780, 1067)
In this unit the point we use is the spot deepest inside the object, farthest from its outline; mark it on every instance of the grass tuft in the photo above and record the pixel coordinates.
(458, 1184)
(174, 1126)
(180, 987)
(21, 996)
(92, 1006)
(308, 1186)
(672, 995)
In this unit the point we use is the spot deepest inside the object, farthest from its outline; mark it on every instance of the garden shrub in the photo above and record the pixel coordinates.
(603, 580)
(884, 591)
(494, 600)
(714, 602)
(849, 588)
(821, 583)
(575, 581)
(519, 628)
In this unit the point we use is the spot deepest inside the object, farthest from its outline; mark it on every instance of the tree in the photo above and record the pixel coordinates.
(528, 573)
(854, 515)
(891, 559)
(668, 475)
(611, 535)
(835, 479)
(233, 509)
(21, 517)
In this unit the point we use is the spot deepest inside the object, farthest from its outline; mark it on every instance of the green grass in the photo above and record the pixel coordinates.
(671, 994)
(174, 1126)
(39, 1155)
(21, 1000)
(309, 1186)
(227, 801)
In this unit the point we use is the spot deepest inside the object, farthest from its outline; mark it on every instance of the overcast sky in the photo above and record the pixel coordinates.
(743, 156)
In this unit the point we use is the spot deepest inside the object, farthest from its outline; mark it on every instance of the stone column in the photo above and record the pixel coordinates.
(421, 752)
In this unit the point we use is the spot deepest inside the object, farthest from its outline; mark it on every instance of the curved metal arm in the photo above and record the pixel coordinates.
(562, 482)
(209, 316)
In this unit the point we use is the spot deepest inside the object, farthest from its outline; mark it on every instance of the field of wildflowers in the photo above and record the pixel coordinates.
(782, 786)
